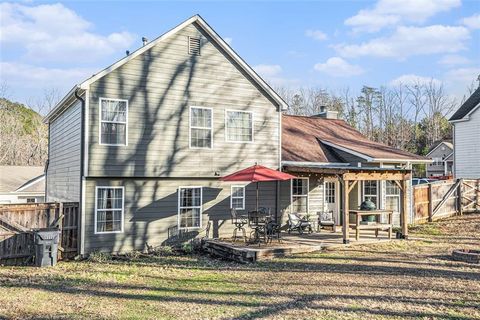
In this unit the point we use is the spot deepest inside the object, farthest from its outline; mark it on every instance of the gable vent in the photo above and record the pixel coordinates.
(194, 46)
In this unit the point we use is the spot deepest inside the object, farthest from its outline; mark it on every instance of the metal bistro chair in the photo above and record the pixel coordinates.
(239, 221)
(299, 224)
(257, 220)
(326, 219)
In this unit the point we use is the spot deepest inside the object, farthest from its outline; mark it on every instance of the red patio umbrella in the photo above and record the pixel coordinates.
(257, 174)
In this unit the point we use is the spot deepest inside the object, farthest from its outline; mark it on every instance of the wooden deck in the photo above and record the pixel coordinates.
(291, 244)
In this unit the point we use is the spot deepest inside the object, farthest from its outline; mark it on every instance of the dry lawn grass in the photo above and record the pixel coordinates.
(397, 280)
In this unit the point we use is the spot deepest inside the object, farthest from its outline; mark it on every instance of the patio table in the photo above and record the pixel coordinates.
(258, 220)
(372, 226)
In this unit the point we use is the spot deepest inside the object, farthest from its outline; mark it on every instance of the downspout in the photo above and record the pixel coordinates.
(82, 157)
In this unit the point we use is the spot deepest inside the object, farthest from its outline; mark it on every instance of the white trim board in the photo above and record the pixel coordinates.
(371, 159)
(467, 116)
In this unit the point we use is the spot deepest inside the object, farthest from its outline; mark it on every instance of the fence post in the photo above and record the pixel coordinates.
(459, 197)
(430, 202)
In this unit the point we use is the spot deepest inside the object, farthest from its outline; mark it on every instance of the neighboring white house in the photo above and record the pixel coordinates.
(466, 138)
(21, 184)
(442, 156)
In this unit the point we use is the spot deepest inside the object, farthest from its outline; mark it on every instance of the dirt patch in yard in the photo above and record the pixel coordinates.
(395, 280)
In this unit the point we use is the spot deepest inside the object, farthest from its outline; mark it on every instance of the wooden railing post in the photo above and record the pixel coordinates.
(430, 203)
(346, 213)
(459, 197)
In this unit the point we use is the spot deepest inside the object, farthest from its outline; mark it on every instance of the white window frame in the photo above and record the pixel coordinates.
(100, 121)
(96, 209)
(232, 197)
(226, 126)
(201, 207)
(307, 195)
(377, 203)
(327, 195)
(190, 127)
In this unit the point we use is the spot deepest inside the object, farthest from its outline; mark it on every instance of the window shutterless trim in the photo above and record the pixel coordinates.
(106, 121)
(300, 196)
(204, 128)
(226, 126)
(232, 197)
(96, 209)
(200, 206)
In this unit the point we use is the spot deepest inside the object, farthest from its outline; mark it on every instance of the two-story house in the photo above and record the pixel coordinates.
(466, 138)
(442, 155)
(142, 146)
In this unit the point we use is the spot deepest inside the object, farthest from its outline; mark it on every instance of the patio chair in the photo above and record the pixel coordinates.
(326, 219)
(272, 230)
(298, 224)
(239, 221)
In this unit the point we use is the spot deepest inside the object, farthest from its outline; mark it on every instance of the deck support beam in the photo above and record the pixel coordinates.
(404, 211)
(346, 210)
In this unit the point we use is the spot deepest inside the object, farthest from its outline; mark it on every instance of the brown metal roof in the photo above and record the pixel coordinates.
(310, 139)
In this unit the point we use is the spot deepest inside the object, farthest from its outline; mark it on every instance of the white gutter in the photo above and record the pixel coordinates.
(306, 163)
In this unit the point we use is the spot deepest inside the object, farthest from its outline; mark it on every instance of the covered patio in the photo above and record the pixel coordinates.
(349, 177)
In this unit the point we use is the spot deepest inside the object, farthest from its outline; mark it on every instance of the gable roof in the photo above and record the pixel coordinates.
(23, 179)
(438, 144)
(315, 139)
(206, 28)
(467, 107)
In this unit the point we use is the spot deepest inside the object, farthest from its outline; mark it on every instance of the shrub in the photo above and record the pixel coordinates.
(99, 257)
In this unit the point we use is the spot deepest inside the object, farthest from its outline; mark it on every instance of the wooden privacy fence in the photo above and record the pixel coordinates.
(436, 200)
(18, 222)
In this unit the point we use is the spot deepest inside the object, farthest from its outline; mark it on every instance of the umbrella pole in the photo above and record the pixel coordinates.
(257, 196)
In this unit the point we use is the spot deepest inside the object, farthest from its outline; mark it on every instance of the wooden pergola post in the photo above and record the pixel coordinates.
(346, 210)
(404, 209)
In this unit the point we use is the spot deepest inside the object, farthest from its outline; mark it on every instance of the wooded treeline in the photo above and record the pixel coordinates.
(409, 117)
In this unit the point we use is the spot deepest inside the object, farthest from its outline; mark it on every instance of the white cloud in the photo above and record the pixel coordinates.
(268, 70)
(52, 32)
(392, 12)
(463, 76)
(453, 59)
(316, 34)
(472, 22)
(273, 74)
(228, 40)
(337, 67)
(410, 41)
(29, 76)
(412, 79)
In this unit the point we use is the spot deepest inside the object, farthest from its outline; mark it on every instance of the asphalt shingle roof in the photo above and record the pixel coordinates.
(467, 106)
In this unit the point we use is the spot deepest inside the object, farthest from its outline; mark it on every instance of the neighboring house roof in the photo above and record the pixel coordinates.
(468, 106)
(315, 139)
(449, 157)
(205, 27)
(438, 144)
(25, 179)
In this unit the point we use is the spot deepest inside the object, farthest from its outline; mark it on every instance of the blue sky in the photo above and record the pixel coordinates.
(331, 44)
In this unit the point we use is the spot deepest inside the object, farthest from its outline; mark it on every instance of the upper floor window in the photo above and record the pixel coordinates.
(239, 126)
(113, 121)
(201, 127)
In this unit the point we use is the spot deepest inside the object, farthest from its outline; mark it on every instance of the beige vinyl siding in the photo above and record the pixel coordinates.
(161, 85)
(151, 211)
(63, 173)
(467, 147)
